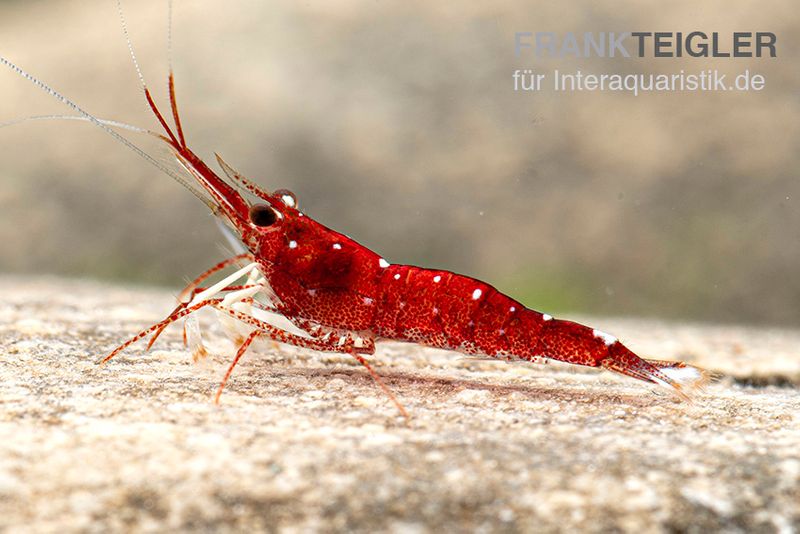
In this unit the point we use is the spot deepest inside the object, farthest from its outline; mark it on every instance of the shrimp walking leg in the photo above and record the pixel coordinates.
(363, 361)
(265, 329)
(189, 295)
(160, 325)
(239, 353)
(185, 304)
(190, 288)
(283, 336)
(324, 339)
(368, 347)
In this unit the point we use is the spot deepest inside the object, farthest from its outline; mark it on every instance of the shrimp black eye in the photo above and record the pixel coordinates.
(262, 215)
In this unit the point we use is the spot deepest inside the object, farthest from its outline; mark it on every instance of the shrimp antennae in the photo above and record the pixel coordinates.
(150, 102)
(223, 195)
(107, 122)
(97, 122)
(172, 101)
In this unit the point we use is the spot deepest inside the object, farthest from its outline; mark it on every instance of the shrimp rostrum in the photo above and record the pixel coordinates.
(333, 294)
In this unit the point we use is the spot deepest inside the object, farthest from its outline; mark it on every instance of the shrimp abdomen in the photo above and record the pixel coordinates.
(447, 310)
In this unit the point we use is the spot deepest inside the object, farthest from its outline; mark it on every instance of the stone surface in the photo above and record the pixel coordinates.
(305, 440)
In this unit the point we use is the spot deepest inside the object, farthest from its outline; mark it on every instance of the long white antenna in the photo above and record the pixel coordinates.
(130, 44)
(169, 34)
(94, 120)
(107, 122)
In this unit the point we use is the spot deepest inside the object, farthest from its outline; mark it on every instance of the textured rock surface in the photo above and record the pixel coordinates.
(305, 440)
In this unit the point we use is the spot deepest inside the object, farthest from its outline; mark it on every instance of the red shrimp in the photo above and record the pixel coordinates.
(342, 297)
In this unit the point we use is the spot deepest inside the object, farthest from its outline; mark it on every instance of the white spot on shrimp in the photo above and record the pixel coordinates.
(292, 244)
(477, 294)
(337, 246)
(299, 214)
(437, 278)
(547, 317)
(288, 200)
(383, 263)
(501, 332)
(368, 301)
(512, 309)
(608, 339)
(435, 310)
(397, 276)
(312, 292)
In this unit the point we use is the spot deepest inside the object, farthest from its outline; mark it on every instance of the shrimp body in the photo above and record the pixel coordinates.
(339, 295)
(331, 280)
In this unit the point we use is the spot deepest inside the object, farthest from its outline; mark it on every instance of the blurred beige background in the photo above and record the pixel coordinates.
(396, 123)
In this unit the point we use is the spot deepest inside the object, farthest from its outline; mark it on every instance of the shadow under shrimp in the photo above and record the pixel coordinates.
(419, 389)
